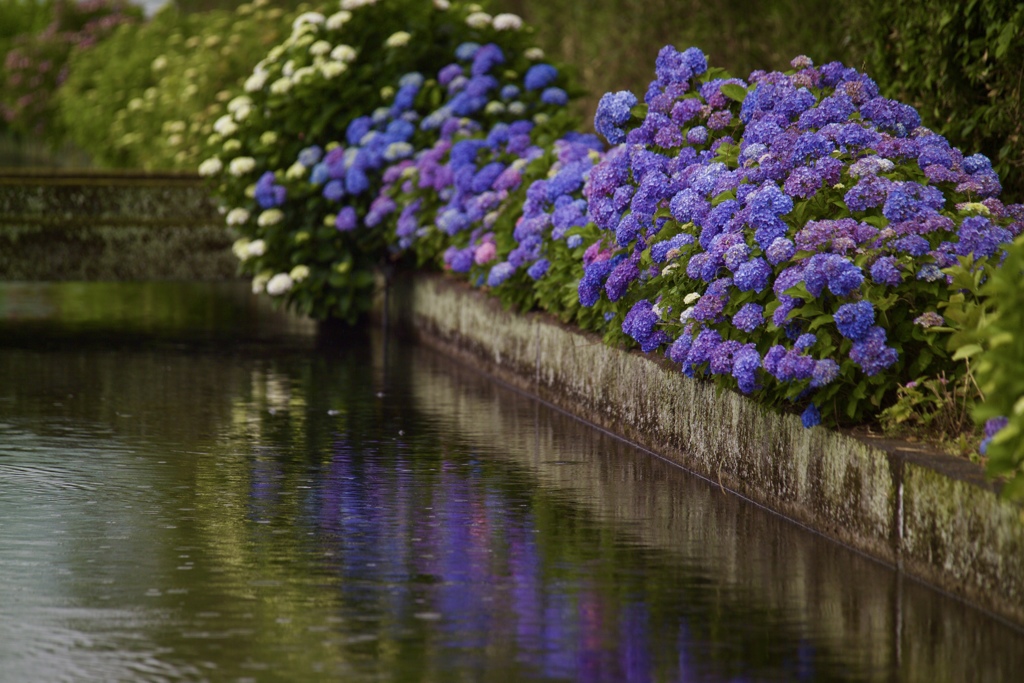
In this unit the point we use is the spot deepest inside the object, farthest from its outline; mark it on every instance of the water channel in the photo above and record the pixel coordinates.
(194, 488)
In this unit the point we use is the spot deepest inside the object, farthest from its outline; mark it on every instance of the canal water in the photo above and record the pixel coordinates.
(194, 488)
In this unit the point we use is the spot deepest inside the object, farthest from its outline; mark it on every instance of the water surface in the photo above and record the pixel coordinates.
(193, 488)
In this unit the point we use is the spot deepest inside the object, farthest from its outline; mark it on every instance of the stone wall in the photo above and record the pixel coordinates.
(932, 516)
(110, 226)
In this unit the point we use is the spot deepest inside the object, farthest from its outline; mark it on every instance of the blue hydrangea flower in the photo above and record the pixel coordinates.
(554, 96)
(539, 76)
(499, 273)
(871, 353)
(613, 112)
(753, 275)
(886, 271)
(811, 416)
(311, 155)
(855, 320)
(538, 269)
(749, 317)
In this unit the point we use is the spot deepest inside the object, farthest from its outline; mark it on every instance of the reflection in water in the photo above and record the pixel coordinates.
(227, 504)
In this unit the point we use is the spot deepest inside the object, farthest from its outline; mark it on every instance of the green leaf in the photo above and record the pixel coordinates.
(734, 91)
(966, 351)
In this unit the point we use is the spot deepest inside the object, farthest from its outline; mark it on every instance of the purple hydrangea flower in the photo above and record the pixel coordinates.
(640, 324)
(749, 317)
(886, 271)
(346, 219)
(871, 353)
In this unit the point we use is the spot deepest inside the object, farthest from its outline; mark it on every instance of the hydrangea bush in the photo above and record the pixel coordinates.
(794, 236)
(787, 235)
(36, 65)
(148, 96)
(306, 177)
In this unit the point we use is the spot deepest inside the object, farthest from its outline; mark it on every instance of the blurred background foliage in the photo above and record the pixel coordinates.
(960, 63)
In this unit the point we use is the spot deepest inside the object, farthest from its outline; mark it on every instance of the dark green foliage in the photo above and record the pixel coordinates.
(961, 64)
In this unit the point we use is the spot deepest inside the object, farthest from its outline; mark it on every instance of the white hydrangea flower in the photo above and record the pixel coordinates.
(280, 284)
(507, 21)
(295, 171)
(237, 216)
(299, 273)
(281, 86)
(225, 125)
(691, 298)
(256, 81)
(333, 69)
(302, 74)
(494, 107)
(516, 108)
(238, 102)
(534, 54)
(160, 63)
(398, 39)
(320, 47)
(268, 137)
(241, 165)
(478, 20)
(307, 18)
(270, 217)
(541, 118)
(211, 167)
(255, 248)
(442, 4)
(343, 53)
(259, 283)
(356, 4)
(242, 113)
(231, 146)
(241, 249)
(685, 315)
(337, 20)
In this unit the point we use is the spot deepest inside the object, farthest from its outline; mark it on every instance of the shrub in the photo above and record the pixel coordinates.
(789, 235)
(36, 66)
(312, 222)
(147, 96)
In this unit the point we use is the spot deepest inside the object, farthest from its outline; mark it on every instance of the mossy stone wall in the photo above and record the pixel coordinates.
(111, 226)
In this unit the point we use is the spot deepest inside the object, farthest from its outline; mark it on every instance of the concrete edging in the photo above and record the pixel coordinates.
(932, 516)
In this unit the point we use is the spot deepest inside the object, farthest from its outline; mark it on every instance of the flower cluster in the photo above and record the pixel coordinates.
(789, 231)
(332, 204)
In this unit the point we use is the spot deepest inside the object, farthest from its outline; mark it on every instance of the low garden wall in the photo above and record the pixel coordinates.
(932, 516)
(110, 226)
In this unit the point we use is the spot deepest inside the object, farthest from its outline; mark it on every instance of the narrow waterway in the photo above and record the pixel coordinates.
(195, 488)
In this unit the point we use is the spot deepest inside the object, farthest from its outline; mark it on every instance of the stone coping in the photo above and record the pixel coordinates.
(934, 517)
